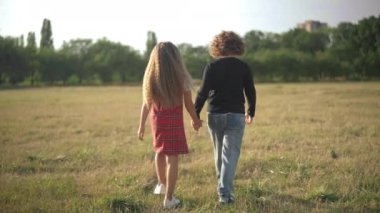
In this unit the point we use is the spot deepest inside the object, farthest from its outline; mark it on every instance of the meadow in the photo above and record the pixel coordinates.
(313, 147)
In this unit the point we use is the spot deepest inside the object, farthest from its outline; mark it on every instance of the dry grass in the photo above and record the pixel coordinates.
(312, 147)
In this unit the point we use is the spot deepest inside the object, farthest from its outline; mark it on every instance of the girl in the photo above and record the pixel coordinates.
(166, 85)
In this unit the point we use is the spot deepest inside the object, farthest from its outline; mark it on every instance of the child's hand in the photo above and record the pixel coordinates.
(196, 124)
(140, 132)
(248, 119)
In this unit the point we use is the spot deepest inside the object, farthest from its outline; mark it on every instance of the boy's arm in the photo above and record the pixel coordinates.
(143, 116)
(250, 93)
(189, 105)
(203, 91)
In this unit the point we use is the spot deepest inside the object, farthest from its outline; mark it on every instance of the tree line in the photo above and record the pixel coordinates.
(346, 52)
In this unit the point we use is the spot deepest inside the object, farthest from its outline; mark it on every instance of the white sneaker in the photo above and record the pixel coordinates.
(171, 204)
(160, 189)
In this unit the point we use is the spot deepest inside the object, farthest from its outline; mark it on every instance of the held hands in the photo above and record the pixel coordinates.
(196, 124)
(248, 119)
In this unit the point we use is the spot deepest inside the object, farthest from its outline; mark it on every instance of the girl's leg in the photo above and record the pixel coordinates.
(171, 175)
(160, 161)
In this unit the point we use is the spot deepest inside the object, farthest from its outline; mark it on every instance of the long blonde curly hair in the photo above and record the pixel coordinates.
(166, 77)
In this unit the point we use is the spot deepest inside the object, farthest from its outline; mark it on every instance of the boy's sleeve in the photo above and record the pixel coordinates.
(250, 93)
(203, 91)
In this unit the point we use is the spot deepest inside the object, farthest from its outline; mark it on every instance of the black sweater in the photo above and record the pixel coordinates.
(224, 83)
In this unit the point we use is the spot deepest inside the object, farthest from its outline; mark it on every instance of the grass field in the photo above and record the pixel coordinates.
(312, 148)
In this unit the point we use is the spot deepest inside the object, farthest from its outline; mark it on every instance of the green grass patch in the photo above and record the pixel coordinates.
(322, 194)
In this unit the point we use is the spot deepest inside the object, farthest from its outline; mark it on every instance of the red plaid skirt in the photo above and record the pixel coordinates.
(168, 131)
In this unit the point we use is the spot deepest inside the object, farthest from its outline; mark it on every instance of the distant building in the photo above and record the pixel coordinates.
(311, 26)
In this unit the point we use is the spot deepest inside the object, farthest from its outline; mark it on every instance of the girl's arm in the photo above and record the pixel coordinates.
(189, 105)
(143, 116)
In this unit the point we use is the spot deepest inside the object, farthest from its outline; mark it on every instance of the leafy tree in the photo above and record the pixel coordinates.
(367, 35)
(271, 41)
(282, 64)
(195, 58)
(131, 65)
(78, 51)
(55, 67)
(5, 49)
(31, 49)
(357, 46)
(252, 41)
(46, 35)
(21, 42)
(349, 50)
(342, 47)
(373, 69)
(114, 62)
(301, 40)
(13, 61)
(31, 41)
(259, 71)
(366, 40)
(257, 40)
(150, 43)
(99, 57)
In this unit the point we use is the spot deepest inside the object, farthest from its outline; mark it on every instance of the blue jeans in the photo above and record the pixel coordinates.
(226, 130)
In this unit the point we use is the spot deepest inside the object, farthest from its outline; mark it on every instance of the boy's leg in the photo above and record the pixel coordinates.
(232, 141)
(216, 125)
(171, 175)
(160, 161)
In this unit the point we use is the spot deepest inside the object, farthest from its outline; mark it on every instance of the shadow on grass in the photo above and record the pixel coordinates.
(260, 200)
(124, 204)
(260, 193)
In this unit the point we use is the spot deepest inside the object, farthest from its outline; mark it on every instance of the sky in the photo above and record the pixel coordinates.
(180, 21)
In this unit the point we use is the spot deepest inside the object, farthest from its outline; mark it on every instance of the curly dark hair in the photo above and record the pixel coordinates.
(226, 43)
